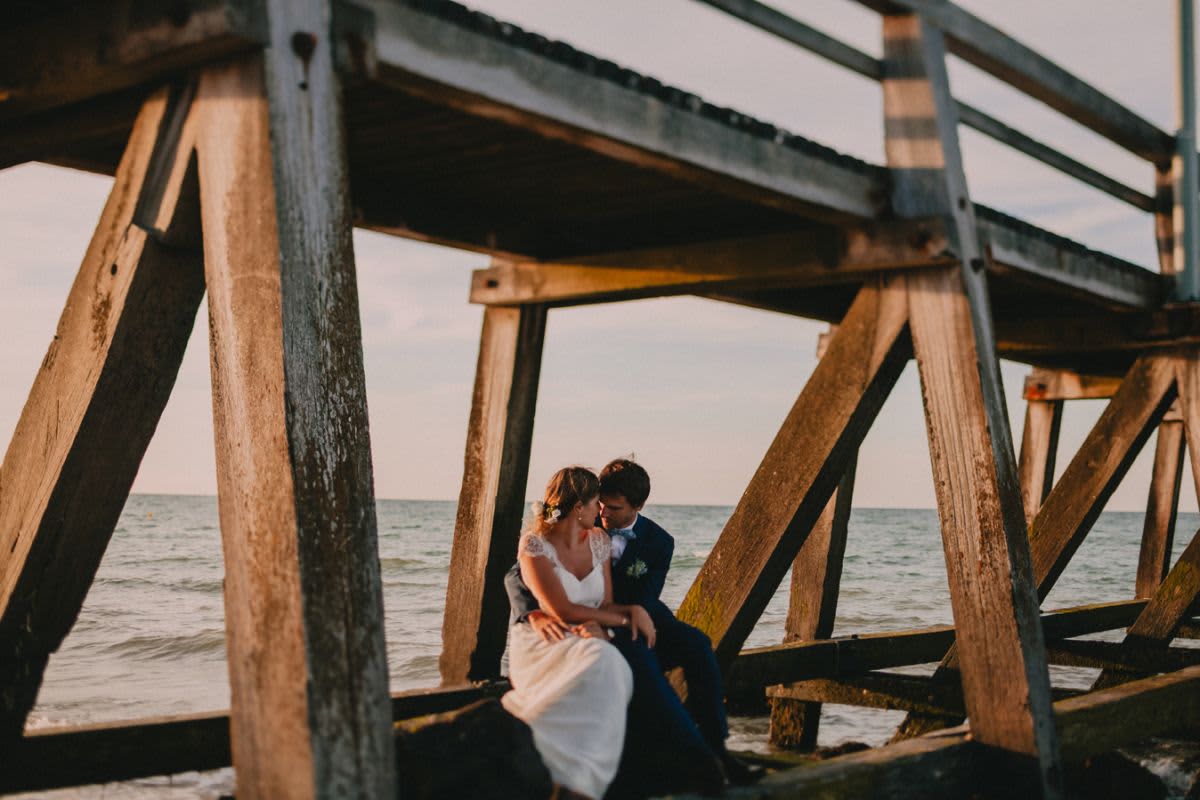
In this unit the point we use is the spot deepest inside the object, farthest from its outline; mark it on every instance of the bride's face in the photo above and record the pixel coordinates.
(588, 512)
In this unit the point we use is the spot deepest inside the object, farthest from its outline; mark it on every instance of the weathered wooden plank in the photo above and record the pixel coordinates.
(757, 668)
(1006, 683)
(1128, 659)
(1158, 532)
(996, 53)
(812, 609)
(94, 405)
(1064, 384)
(990, 126)
(496, 468)
(451, 65)
(887, 690)
(1087, 275)
(72, 755)
(1088, 725)
(1039, 445)
(303, 599)
(1164, 217)
(798, 475)
(1100, 721)
(811, 257)
(85, 50)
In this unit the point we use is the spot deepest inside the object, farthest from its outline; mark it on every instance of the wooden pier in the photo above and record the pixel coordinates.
(247, 137)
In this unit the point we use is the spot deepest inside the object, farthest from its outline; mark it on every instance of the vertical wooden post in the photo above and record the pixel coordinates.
(495, 471)
(1006, 684)
(304, 614)
(812, 609)
(95, 401)
(1039, 445)
(1164, 217)
(1158, 532)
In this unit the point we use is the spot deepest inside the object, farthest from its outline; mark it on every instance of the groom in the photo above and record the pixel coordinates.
(658, 722)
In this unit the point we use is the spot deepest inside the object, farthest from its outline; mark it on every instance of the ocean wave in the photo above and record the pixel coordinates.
(210, 640)
(397, 562)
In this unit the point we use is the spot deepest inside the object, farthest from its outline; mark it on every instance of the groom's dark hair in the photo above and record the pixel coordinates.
(626, 478)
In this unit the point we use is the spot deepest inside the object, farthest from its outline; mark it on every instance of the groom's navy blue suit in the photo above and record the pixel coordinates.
(656, 716)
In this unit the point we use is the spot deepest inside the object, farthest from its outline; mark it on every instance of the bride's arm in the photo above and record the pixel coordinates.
(539, 576)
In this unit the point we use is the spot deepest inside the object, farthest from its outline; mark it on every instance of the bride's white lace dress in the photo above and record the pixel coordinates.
(573, 693)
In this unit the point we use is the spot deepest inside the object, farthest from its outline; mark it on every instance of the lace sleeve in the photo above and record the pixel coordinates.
(533, 545)
(601, 547)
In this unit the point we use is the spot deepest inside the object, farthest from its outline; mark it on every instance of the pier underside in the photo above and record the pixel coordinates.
(246, 139)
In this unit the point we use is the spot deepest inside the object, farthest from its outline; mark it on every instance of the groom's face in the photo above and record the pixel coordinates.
(616, 512)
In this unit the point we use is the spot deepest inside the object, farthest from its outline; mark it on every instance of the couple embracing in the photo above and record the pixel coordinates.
(590, 641)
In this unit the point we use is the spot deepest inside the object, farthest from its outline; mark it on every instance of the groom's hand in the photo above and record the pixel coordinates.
(546, 626)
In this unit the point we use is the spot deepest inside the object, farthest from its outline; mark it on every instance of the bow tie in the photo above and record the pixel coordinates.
(626, 532)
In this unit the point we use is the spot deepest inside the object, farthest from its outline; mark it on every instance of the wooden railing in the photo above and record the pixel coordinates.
(998, 54)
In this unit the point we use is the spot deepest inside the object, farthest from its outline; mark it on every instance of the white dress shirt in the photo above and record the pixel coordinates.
(619, 542)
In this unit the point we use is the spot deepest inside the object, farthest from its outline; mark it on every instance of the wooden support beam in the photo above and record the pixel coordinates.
(496, 468)
(303, 598)
(1006, 683)
(73, 755)
(1158, 531)
(1064, 384)
(1094, 473)
(759, 667)
(798, 475)
(816, 256)
(1039, 445)
(95, 402)
(812, 609)
(88, 50)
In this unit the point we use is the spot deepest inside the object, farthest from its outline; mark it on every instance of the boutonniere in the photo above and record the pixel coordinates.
(637, 569)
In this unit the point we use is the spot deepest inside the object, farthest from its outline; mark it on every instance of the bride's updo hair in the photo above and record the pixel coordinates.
(568, 486)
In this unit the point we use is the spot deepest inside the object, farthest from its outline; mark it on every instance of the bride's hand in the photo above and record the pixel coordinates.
(639, 622)
(590, 630)
(547, 627)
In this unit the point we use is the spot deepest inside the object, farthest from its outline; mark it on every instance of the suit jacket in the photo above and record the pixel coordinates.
(638, 576)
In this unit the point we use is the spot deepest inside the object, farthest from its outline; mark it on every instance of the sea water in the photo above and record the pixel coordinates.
(150, 638)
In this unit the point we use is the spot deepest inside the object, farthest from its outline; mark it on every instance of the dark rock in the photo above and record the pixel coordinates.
(1113, 776)
(479, 751)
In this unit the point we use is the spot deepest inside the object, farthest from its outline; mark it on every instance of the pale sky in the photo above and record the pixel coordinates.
(694, 388)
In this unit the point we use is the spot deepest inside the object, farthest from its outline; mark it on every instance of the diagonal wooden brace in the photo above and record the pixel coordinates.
(798, 475)
(97, 399)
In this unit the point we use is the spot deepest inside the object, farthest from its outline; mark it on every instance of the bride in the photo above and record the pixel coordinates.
(573, 689)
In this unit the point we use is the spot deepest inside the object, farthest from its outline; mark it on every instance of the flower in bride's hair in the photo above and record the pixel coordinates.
(538, 508)
(555, 513)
